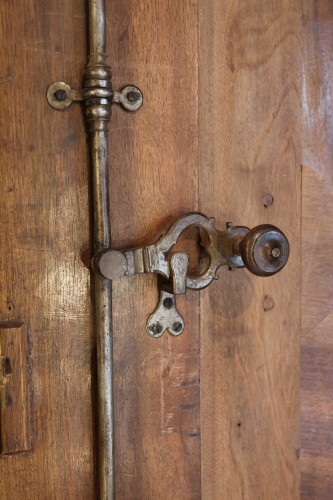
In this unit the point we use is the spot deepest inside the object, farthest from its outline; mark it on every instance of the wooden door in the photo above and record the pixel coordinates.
(212, 414)
(317, 283)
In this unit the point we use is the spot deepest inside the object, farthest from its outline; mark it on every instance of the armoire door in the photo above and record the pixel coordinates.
(214, 413)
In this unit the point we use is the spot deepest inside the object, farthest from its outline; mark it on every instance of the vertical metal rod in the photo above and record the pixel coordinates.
(98, 95)
(97, 35)
(98, 112)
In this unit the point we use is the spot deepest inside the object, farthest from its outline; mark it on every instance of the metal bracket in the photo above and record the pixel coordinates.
(60, 96)
(165, 317)
(264, 251)
(98, 96)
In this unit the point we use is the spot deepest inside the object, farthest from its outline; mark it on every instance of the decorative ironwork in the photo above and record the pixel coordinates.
(263, 250)
(98, 96)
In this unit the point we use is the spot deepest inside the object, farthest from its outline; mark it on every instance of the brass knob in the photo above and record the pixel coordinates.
(264, 250)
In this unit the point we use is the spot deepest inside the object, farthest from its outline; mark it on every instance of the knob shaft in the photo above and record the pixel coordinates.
(264, 250)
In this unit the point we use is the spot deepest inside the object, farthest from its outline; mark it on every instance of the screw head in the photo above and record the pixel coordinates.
(133, 96)
(177, 326)
(168, 303)
(276, 252)
(156, 328)
(60, 95)
(130, 98)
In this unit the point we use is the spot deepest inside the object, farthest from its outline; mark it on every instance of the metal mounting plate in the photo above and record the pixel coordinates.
(165, 317)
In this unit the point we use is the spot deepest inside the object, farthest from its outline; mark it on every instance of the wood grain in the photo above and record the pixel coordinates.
(14, 421)
(44, 228)
(219, 129)
(317, 234)
(154, 180)
(249, 119)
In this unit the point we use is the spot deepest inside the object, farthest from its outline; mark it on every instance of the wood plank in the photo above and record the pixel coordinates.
(14, 421)
(249, 88)
(317, 234)
(44, 228)
(316, 475)
(154, 180)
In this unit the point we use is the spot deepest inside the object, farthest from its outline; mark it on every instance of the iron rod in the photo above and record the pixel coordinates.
(98, 113)
(97, 32)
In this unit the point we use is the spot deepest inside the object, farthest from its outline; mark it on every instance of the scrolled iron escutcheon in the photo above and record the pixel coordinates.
(263, 250)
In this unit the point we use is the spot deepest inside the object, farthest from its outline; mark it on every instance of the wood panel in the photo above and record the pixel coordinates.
(249, 107)
(154, 180)
(317, 234)
(44, 228)
(218, 131)
(14, 398)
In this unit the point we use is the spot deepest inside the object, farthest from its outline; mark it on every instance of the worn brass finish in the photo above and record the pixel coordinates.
(154, 258)
(98, 96)
(263, 250)
(60, 96)
(97, 78)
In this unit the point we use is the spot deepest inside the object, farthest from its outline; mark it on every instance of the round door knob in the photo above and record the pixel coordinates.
(264, 250)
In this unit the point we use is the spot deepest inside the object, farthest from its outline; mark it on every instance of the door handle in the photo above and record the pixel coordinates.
(263, 250)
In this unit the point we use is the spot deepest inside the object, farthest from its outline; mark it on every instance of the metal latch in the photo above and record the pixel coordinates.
(263, 250)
